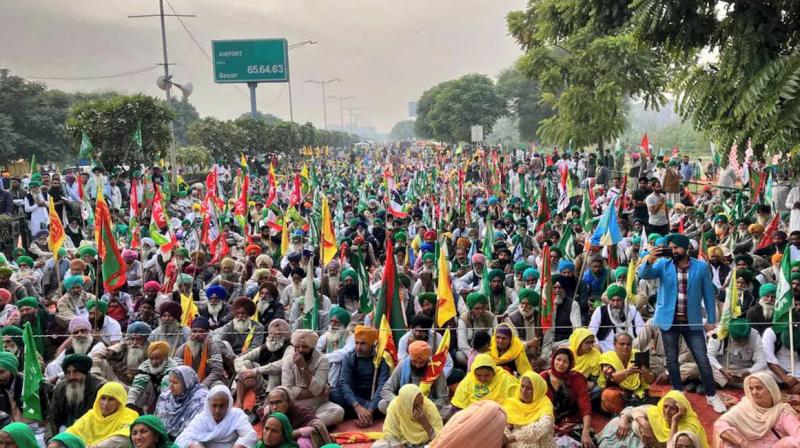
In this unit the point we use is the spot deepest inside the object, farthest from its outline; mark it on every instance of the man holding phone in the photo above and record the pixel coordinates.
(685, 288)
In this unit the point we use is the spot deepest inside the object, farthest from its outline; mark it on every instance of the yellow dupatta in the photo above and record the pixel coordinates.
(520, 413)
(516, 351)
(93, 428)
(470, 390)
(588, 364)
(633, 383)
(689, 422)
(400, 423)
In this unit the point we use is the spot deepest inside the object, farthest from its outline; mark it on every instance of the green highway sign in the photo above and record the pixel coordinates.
(258, 60)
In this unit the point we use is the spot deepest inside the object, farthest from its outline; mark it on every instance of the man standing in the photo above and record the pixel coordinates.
(657, 221)
(74, 394)
(685, 287)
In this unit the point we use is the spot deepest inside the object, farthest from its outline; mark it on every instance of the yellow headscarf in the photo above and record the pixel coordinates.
(520, 413)
(633, 383)
(93, 428)
(589, 363)
(689, 422)
(470, 390)
(516, 351)
(400, 424)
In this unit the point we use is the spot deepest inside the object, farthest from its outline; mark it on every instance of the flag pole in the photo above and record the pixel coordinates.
(791, 340)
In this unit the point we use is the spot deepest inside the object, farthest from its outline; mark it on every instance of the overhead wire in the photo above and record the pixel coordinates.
(89, 78)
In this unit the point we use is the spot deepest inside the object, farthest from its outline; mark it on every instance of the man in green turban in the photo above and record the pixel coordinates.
(760, 315)
(73, 303)
(525, 320)
(477, 318)
(427, 303)
(502, 299)
(109, 329)
(738, 355)
(615, 317)
(337, 337)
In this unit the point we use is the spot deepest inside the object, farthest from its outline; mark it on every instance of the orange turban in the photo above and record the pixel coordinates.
(368, 334)
(777, 258)
(419, 351)
(158, 347)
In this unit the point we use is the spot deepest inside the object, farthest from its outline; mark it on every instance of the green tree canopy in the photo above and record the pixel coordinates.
(185, 115)
(402, 131)
(523, 97)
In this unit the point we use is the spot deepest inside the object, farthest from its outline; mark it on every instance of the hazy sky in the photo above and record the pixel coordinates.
(386, 52)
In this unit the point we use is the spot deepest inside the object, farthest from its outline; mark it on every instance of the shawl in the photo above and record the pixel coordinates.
(470, 390)
(203, 428)
(21, 434)
(516, 351)
(189, 361)
(522, 414)
(400, 424)
(693, 437)
(287, 431)
(588, 364)
(68, 440)
(157, 426)
(94, 428)
(689, 422)
(633, 383)
(753, 421)
(480, 425)
(177, 411)
(299, 415)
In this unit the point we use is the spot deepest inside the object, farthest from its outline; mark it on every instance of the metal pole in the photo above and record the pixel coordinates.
(253, 108)
(341, 113)
(291, 106)
(173, 166)
(324, 106)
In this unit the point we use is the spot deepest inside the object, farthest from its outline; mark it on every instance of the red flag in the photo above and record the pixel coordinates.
(772, 227)
(219, 248)
(79, 179)
(680, 225)
(622, 193)
(675, 151)
(240, 208)
(212, 191)
(134, 199)
(114, 276)
(546, 282)
(158, 209)
(645, 145)
(297, 194)
(543, 215)
(273, 186)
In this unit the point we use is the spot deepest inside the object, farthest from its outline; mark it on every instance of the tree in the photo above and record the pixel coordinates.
(254, 134)
(402, 131)
(523, 97)
(268, 118)
(185, 115)
(111, 123)
(8, 138)
(451, 109)
(192, 155)
(308, 135)
(587, 64)
(224, 139)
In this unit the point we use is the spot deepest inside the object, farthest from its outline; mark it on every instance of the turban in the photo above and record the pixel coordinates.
(87, 251)
(715, 251)
(349, 273)
(429, 297)
(82, 363)
(745, 274)
(419, 351)
(101, 305)
(653, 236)
(720, 218)
(184, 279)
(365, 333)
(77, 264)
(201, 323)
(158, 347)
(767, 289)
(129, 255)
(14, 332)
(428, 257)
(73, 281)
(139, 328)
(530, 273)
(426, 247)
(152, 285)
(5, 296)
(463, 243)
(252, 249)
(400, 236)
(279, 325)
(79, 323)
(334, 264)
(636, 240)
(795, 276)
(620, 271)
(429, 235)
(776, 258)
(496, 273)
(9, 362)
(264, 260)
(504, 330)
(520, 266)
(341, 314)
(475, 298)
(308, 337)
(739, 328)
(172, 308)
(216, 290)
(244, 303)
(529, 295)
(32, 302)
(679, 240)
(479, 258)
(294, 256)
(566, 265)
(755, 228)
(26, 260)
(182, 252)
(616, 291)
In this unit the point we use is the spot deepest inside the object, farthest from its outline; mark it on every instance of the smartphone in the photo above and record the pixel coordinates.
(642, 359)
(666, 252)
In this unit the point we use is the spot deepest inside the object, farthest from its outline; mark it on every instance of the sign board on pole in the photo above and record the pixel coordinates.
(412, 109)
(259, 60)
(476, 133)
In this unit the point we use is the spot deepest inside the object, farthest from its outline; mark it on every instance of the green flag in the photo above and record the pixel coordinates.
(34, 168)
(487, 249)
(311, 313)
(586, 212)
(86, 146)
(32, 378)
(137, 136)
(567, 243)
(784, 300)
(357, 263)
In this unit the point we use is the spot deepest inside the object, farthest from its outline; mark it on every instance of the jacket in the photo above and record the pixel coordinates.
(700, 292)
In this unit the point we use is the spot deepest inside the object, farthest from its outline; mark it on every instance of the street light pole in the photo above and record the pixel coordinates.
(324, 105)
(292, 47)
(341, 99)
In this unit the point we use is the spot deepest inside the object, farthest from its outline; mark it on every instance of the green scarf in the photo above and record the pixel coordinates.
(21, 434)
(287, 432)
(155, 424)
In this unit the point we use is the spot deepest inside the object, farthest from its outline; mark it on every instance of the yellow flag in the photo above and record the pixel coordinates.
(629, 282)
(436, 366)
(445, 304)
(386, 349)
(285, 236)
(328, 236)
(304, 172)
(189, 310)
(56, 238)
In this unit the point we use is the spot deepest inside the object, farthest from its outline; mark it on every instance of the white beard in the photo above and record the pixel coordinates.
(518, 284)
(273, 345)
(81, 347)
(195, 347)
(558, 299)
(526, 314)
(263, 304)
(214, 309)
(76, 392)
(169, 327)
(617, 316)
(158, 369)
(241, 325)
(135, 357)
(333, 284)
(335, 337)
(768, 309)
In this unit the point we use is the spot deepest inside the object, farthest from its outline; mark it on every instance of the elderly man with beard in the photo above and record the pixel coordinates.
(242, 333)
(525, 320)
(73, 303)
(48, 335)
(477, 318)
(566, 319)
(347, 293)
(107, 328)
(305, 374)
(121, 361)
(74, 394)
(760, 316)
(268, 306)
(218, 312)
(615, 317)
(151, 378)
(202, 354)
(169, 328)
(329, 285)
(17, 291)
(411, 371)
(336, 342)
(502, 300)
(738, 356)
(152, 291)
(80, 341)
(229, 277)
(267, 359)
(11, 393)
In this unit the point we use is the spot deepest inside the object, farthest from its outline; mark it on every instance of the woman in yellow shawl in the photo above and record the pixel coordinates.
(508, 351)
(653, 426)
(485, 381)
(107, 424)
(530, 414)
(587, 355)
(411, 420)
(622, 381)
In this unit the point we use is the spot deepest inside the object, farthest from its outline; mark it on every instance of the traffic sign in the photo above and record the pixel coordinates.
(259, 60)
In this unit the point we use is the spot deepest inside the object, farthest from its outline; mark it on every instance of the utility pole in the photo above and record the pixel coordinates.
(292, 47)
(167, 76)
(341, 99)
(324, 103)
